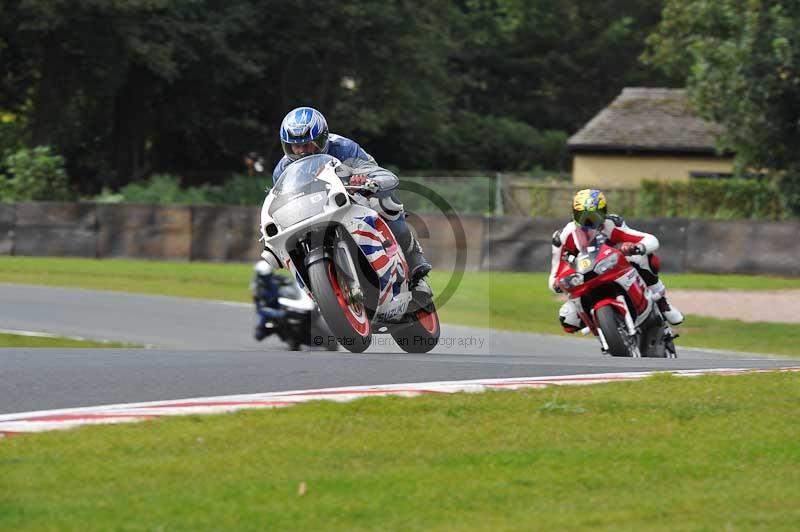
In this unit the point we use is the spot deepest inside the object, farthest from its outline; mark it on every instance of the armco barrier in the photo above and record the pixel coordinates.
(143, 231)
(225, 233)
(55, 229)
(672, 236)
(524, 244)
(744, 247)
(8, 213)
(450, 241)
(482, 243)
(518, 244)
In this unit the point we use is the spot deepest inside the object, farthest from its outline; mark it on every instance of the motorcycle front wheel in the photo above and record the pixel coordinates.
(346, 317)
(614, 331)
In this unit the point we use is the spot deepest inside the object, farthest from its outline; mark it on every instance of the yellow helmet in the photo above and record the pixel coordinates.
(589, 208)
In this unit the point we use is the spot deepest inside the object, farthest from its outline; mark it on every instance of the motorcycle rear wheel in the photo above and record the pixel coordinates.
(420, 335)
(612, 324)
(347, 320)
(654, 344)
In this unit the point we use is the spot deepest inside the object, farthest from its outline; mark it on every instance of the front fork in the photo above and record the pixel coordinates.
(317, 246)
(633, 334)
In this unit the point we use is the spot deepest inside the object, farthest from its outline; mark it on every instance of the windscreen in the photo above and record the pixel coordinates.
(300, 173)
(585, 238)
(299, 194)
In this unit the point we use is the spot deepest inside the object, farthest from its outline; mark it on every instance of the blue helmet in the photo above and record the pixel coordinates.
(304, 125)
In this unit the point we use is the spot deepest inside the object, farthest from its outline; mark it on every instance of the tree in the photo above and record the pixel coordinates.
(101, 69)
(127, 88)
(554, 63)
(742, 63)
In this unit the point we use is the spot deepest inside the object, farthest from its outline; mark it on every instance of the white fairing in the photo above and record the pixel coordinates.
(304, 304)
(330, 203)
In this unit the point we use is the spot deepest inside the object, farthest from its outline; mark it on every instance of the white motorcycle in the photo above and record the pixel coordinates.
(345, 256)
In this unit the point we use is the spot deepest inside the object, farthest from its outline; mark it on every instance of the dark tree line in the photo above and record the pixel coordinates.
(122, 89)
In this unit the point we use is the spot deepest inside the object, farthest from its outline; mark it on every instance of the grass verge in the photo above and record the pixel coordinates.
(667, 453)
(23, 340)
(511, 301)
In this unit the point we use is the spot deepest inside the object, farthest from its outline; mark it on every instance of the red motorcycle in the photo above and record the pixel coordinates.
(613, 300)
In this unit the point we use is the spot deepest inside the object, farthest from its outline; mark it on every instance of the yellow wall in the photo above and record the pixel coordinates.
(630, 170)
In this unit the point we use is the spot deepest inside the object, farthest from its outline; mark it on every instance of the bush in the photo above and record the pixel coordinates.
(461, 194)
(790, 189)
(34, 175)
(165, 189)
(162, 189)
(723, 199)
(12, 133)
(490, 142)
(240, 190)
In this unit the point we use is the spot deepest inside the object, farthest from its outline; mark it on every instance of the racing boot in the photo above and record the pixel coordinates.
(418, 265)
(671, 313)
(569, 319)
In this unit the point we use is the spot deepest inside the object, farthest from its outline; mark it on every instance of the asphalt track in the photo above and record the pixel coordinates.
(205, 348)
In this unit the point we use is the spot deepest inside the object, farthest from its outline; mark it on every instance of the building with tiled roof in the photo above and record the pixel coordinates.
(647, 133)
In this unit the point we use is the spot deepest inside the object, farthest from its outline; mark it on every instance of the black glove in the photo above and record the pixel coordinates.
(630, 248)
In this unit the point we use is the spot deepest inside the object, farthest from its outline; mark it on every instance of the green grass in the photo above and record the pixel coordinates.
(669, 453)
(20, 340)
(183, 279)
(511, 301)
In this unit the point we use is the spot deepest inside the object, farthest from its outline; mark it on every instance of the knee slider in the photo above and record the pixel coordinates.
(390, 208)
(569, 319)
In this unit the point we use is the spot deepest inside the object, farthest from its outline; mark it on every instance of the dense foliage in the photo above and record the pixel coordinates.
(131, 88)
(719, 199)
(712, 198)
(743, 62)
(34, 175)
(166, 189)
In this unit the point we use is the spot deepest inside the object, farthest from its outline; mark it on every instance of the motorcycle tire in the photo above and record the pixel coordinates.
(610, 322)
(348, 323)
(421, 334)
(653, 342)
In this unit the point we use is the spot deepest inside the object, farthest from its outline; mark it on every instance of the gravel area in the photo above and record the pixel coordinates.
(772, 306)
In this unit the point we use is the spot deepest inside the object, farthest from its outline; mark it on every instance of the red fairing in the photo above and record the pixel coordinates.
(623, 310)
(623, 274)
(565, 269)
(637, 294)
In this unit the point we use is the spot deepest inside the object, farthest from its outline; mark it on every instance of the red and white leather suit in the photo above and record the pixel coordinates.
(617, 232)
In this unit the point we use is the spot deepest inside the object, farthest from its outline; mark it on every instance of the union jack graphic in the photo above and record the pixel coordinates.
(297, 277)
(388, 262)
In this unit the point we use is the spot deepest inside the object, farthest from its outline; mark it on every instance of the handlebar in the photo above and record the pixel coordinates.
(370, 189)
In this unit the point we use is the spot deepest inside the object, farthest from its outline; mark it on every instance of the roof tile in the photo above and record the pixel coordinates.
(649, 119)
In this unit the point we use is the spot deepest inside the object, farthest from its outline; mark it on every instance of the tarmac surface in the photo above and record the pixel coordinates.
(205, 348)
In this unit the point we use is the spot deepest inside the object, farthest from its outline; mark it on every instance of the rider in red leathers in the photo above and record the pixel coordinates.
(589, 210)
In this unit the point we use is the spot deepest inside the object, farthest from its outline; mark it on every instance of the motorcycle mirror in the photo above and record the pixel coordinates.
(254, 162)
(343, 171)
